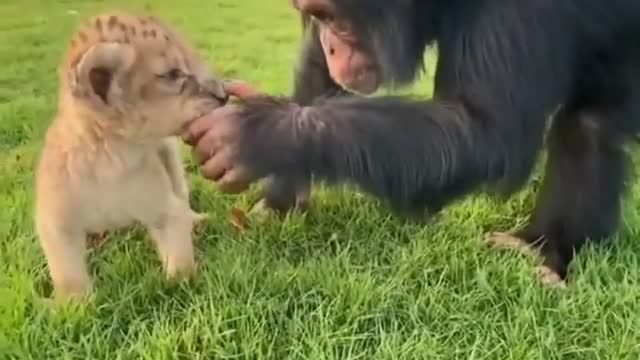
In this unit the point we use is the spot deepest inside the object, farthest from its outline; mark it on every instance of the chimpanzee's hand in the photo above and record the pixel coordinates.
(213, 138)
(234, 144)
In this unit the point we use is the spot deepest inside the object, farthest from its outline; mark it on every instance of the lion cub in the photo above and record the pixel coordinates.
(128, 86)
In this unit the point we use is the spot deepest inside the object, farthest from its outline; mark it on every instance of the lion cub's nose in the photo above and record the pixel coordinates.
(216, 89)
(224, 99)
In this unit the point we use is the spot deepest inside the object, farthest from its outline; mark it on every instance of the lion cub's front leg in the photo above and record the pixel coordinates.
(171, 159)
(170, 156)
(174, 242)
(168, 218)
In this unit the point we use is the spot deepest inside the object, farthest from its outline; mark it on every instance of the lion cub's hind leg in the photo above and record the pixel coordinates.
(65, 251)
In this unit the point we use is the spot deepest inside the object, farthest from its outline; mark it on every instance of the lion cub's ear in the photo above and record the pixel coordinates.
(96, 74)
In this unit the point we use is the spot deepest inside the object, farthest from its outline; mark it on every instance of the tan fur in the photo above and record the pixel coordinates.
(111, 156)
(546, 275)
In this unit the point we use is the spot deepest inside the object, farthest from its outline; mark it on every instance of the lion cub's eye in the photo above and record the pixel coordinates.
(172, 75)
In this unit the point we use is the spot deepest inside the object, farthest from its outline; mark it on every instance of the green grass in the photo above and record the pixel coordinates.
(346, 281)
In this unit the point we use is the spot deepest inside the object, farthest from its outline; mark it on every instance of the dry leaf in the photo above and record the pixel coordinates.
(95, 241)
(238, 219)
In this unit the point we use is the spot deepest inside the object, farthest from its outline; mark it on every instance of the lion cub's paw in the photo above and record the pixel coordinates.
(180, 268)
(73, 290)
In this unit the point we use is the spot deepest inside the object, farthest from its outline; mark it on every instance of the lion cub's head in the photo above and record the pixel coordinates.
(134, 77)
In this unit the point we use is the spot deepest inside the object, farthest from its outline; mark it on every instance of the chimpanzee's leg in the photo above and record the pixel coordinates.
(581, 193)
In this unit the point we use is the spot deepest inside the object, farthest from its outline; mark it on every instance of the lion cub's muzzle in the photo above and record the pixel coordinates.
(209, 88)
(215, 88)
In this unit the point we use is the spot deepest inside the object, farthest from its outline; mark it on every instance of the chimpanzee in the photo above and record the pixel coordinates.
(503, 68)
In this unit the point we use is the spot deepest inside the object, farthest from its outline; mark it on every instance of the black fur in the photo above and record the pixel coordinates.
(311, 82)
(503, 68)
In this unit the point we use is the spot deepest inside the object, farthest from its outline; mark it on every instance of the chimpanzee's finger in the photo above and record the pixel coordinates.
(207, 146)
(208, 124)
(192, 134)
(235, 181)
(217, 165)
(240, 89)
(204, 124)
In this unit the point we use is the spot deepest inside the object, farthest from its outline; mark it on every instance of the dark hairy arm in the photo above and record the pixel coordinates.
(415, 154)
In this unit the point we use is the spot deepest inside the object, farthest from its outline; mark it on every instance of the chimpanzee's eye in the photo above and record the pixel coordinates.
(322, 16)
(341, 27)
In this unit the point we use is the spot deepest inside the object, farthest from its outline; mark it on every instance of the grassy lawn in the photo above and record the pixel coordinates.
(346, 281)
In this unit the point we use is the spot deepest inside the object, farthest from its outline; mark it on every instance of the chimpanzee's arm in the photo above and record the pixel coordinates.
(416, 155)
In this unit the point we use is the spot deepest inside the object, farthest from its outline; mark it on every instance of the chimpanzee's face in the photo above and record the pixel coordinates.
(367, 43)
(350, 62)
